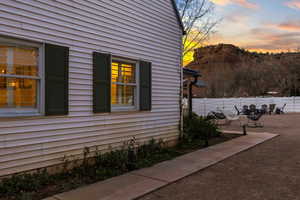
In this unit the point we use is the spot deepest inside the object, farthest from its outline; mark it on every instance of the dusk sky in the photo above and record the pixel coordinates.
(263, 25)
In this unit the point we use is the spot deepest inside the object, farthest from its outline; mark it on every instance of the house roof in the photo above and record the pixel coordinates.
(178, 16)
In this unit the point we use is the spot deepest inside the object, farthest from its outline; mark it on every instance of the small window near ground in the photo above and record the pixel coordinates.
(123, 85)
(19, 79)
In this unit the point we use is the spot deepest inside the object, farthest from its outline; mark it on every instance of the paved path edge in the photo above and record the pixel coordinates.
(273, 135)
(165, 173)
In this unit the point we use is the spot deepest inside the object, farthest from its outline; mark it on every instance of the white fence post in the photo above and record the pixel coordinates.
(204, 104)
(294, 104)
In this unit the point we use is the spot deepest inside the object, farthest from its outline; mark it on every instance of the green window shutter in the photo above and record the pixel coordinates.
(56, 80)
(145, 85)
(101, 82)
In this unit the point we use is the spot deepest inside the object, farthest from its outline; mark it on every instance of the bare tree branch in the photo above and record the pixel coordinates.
(199, 22)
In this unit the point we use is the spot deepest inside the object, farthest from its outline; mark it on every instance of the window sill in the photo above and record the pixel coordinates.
(18, 115)
(124, 109)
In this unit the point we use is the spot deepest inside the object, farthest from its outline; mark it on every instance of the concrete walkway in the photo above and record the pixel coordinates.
(270, 171)
(141, 182)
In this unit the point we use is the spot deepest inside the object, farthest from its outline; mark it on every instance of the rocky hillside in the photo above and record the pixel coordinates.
(231, 71)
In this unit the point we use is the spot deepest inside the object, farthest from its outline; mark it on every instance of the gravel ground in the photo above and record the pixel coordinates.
(269, 171)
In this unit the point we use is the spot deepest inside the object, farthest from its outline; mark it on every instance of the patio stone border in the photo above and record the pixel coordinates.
(141, 182)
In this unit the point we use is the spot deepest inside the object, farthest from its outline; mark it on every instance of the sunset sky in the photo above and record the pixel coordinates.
(262, 25)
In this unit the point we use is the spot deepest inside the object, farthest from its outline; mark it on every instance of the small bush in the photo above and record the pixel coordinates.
(198, 127)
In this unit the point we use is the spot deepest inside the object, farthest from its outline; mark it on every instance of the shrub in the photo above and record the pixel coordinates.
(100, 166)
(198, 127)
(92, 168)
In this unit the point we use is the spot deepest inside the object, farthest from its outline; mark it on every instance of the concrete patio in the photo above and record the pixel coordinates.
(270, 171)
(179, 177)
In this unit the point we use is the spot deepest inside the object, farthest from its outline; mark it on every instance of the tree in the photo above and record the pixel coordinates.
(199, 22)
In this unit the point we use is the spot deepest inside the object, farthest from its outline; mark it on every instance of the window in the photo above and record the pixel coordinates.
(123, 85)
(19, 78)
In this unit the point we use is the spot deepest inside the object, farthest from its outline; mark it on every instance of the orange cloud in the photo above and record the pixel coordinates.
(221, 2)
(263, 39)
(268, 50)
(289, 27)
(274, 41)
(244, 3)
(295, 4)
(293, 26)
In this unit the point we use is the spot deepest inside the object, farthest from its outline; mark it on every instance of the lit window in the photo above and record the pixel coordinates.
(124, 85)
(19, 79)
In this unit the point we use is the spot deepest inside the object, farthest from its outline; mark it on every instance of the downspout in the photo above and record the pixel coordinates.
(181, 93)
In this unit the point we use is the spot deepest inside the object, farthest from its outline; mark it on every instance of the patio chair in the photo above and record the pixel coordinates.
(264, 109)
(271, 108)
(280, 111)
(237, 110)
(216, 117)
(229, 116)
(254, 119)
(252, 108)
(245, 110)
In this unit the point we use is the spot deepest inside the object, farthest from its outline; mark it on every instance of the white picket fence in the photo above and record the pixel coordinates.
(202, 106)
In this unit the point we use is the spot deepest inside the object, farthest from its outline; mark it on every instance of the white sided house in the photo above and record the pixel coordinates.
(85, 73)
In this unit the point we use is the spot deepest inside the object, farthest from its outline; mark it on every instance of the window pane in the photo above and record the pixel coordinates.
(18, 93)
(3, 54)
(3, 59)
(123, 73)
(122, 95)
(114, 72)
(18, 61)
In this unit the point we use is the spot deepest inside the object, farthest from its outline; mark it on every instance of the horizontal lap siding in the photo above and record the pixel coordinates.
(139, 29)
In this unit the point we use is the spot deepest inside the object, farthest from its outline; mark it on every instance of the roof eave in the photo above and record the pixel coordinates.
(178, 17)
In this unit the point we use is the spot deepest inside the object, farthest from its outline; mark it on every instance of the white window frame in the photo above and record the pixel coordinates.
(135, 107)
(39, 110)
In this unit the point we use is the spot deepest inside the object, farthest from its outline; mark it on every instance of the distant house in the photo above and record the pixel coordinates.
(77, 74)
